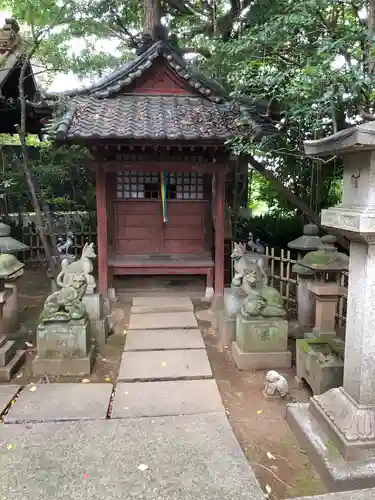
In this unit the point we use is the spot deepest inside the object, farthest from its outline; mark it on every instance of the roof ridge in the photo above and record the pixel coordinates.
(130, 71)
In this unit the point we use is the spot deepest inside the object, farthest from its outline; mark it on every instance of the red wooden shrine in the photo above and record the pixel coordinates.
(157, 133)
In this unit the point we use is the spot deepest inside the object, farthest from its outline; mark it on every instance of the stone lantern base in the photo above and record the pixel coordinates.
(10, 359)
(322, 448)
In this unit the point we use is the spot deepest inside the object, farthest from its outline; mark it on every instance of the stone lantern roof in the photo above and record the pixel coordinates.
(10, 267)
(327, 258)
(7, 243)
(310, 240)
(353, 139)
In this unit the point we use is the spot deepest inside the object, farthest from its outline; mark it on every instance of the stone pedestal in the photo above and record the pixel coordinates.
(96, 310)
(261, 343)
(305, 300)
(226, 320)
(10, 320)
(64, 348)
(326, 296)
(337, 428)
(10, 359)
(320, 362)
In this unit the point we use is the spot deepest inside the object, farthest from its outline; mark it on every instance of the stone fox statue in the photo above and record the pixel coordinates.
(66, 304)
(243, 263)
(82, 266)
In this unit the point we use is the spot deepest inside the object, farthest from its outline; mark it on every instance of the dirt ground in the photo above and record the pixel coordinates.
(259, 425)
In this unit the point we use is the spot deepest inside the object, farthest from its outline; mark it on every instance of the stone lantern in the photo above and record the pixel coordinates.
(309, 241)
(9, 245)
(337, 428)
(10, 358)
(326, 264)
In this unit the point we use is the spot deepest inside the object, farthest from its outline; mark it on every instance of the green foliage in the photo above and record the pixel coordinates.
(64, 182)
(275, 231)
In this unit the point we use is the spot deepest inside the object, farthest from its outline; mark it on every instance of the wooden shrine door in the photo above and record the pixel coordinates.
(139, 227)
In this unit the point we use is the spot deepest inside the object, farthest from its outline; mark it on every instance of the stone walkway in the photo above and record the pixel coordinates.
(160, 434)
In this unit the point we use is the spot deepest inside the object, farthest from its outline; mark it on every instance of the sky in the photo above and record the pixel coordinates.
(68, 81)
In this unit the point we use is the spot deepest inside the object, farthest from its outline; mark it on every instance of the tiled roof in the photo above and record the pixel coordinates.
(106, 111)
(147, 117)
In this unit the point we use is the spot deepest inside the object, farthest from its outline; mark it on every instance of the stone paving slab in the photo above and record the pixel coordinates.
(54, 402)
(166, 304)
(189, 458)
(163, 301)
(153, 340)
(164, 365)
(181, 397)
(153, 321)
(7, 392)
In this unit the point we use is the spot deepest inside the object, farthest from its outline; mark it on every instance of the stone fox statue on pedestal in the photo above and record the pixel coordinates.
(82, 266)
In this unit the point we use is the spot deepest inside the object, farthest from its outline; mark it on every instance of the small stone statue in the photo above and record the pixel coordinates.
(261, 300)
(275, 384)
(84, 265)
(66, 304)
(243, 263)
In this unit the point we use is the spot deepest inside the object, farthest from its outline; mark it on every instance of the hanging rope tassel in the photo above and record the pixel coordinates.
(163, 188)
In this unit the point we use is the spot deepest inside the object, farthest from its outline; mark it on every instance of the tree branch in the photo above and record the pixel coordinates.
(294, 200)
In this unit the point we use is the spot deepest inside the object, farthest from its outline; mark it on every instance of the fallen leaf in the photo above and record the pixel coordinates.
(164, 363)
(29, 344)
(85, 476)
(259, 412)
(33, 388)
(142, 467)
(19, 375)
(10, 446)
(270, 456)
(268, 491)
(85, 380)
(107, 379)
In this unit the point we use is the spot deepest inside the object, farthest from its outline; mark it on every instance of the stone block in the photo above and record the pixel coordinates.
(163, 301)
(192, 457)
(320, 362)
(154, 340)
(262, 334)
(63, 339)
(7, 371)
(163, 306)
(260, 360)
(99, 330)
(75, 367)
(94, 305)
(336, 473)
(7, 351)
(153, 399)
(164, 365)
(7, 393)
(366, 494)
(55, 402)
(227, 329)
(154, 321)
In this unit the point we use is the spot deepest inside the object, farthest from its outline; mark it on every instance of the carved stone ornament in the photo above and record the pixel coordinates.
(66, 304)
(275, 384)
(348, 420)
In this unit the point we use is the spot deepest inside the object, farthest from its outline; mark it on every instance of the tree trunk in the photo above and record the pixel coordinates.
(21, 130)
(294, 200)
(152, 14)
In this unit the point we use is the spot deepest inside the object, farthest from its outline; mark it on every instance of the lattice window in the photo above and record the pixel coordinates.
(146, 185)
(189, 185)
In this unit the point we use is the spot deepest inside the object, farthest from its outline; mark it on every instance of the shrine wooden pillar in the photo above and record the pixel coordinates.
(219, 236)
(102, 217)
